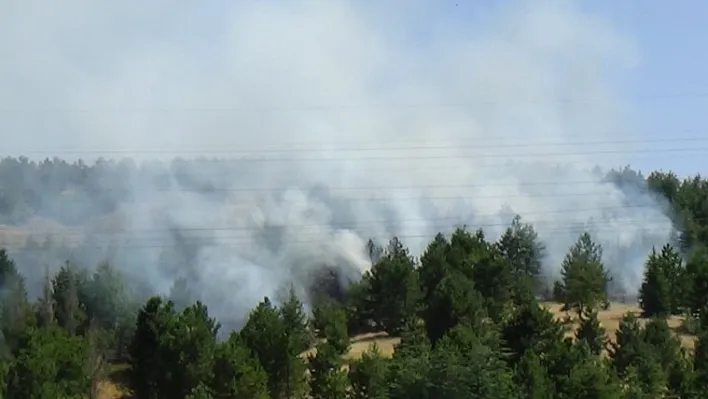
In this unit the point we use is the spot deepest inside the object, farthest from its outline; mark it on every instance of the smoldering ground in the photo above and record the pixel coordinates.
(349, 120)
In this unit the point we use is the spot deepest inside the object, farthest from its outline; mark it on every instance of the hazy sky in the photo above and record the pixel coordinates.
(672, 38)
(421, 103)
(94, 74)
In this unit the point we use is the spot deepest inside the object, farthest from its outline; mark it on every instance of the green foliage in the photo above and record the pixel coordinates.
(45, 304)
(450, 273)
(649, 358)
(629, 348)
(154, 321)
(330, 322)
(521, 247)
(531, 328)
(590, 379)
(172, 353)
(410, 365)
(67, 286)
(327, 379)
(477, 259)
(237, 374)
(105, 297)
(454, 301)
(295, 322)
(367, 375)
(584, 283)
(277, 346)
(697, 270)
(591, 332)
(49, 364)
(700, 362)
(4, 378)
(532, 377)
(393, 292)
(200, 392)
(465, 366)
(665, 347)
(469, 325)
(662, 283)
(15, 310)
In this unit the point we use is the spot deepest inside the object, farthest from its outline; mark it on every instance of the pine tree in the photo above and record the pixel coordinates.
(148, 365)
(463, 365)
(634, 359)
(46, 303)
(66, 288)
(367, 375)
(666, 347)
(584, 283)
(410, 365)
(190, 351)
(532, 378)
(591, 332)
(16, 313)
(274, 345)
(49, 364)
(697, 272)
(104, 297)
(658, 293)
(531, 328)
(237, 374)
(700, 363)
(521, 247)
(590, 379)
(629, 347)
(393, 287)
(327, 379)
(297, 340)
(472, 256)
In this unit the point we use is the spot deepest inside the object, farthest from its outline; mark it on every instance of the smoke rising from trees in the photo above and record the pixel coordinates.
(344, 121)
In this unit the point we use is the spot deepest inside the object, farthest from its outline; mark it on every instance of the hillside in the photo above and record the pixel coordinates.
(157, 270)
(110, 389)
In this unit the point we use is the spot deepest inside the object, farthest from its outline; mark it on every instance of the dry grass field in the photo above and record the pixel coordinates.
(610, 320)
(360, 344)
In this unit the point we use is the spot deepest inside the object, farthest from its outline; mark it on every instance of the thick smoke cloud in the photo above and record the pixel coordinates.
(363, 120)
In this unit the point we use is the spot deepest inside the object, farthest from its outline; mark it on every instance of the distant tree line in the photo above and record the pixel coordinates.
(466, 311)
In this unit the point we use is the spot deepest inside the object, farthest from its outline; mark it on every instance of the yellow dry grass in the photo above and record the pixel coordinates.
(111, 390)
(386, 344)
(112, 387)
(609, 319)
(15, 237)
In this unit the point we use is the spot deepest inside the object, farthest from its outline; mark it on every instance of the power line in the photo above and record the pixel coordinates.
(457, 138)
(426, 198)
(478, 156)
(340, 107)
(389, 163)
(302, 238)
(362, 188)
(592, 221)
(363, 149)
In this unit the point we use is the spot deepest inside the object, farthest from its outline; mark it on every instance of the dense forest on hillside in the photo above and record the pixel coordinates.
(470, 310)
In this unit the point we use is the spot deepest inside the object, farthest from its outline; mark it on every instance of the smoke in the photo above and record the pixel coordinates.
(359, 119)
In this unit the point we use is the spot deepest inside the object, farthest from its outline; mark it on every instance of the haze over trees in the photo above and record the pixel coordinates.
(467, 310)
(234, 199)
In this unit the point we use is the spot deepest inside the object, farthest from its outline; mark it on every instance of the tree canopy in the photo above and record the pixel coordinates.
(467, 316)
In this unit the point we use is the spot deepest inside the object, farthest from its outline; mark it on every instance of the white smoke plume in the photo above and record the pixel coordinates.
(368, 119)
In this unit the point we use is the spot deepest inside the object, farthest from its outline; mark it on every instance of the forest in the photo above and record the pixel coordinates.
(471, 315)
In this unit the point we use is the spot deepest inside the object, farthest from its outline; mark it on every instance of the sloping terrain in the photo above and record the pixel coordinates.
(610, 320)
